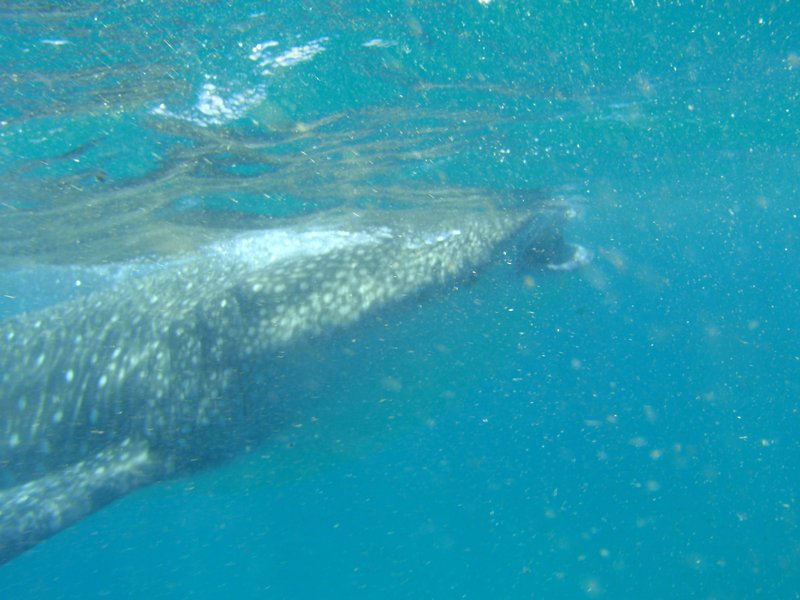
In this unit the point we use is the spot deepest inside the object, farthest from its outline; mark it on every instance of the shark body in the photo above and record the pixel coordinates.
(143, 381)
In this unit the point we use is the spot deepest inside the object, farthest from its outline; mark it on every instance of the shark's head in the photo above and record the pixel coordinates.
(541, 244)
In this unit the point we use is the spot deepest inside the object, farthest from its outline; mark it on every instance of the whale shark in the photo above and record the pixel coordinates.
(145, 379)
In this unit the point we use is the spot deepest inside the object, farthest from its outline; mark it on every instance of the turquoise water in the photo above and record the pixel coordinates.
(628, 430)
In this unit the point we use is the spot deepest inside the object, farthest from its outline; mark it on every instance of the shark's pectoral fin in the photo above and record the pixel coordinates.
(33, 511)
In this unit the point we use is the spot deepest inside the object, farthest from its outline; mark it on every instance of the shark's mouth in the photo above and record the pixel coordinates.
(555, 254)
(541, 244)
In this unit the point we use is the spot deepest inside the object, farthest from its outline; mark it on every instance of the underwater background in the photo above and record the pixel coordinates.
(626, 430)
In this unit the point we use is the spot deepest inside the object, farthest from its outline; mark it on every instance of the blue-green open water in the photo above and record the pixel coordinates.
(629, 430)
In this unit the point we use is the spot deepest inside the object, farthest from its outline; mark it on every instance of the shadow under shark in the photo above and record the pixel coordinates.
(147, 379)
